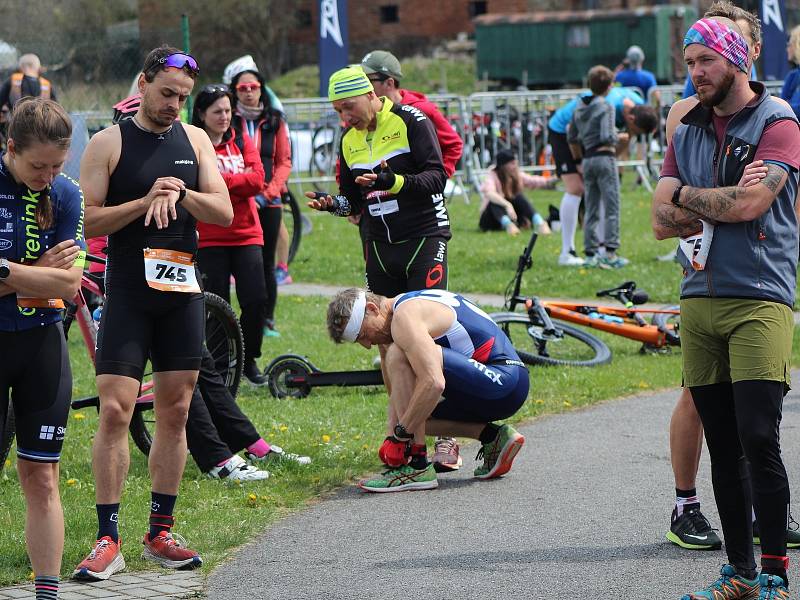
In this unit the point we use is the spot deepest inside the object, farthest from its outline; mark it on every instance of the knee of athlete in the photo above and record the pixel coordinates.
(115, 415)
(396, 358)
(759, 441)
(173, 417)
(39, 482)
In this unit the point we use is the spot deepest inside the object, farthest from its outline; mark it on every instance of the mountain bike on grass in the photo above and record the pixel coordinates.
(223, 340)
(541, 336)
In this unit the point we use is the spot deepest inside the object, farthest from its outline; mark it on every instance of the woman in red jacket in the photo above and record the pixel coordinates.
(234, 250)
(255, 115)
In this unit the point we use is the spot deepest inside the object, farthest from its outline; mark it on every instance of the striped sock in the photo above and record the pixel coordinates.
(46, 587)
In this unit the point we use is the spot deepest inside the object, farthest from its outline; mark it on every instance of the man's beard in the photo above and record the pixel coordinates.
(158, 118)
(721, 92)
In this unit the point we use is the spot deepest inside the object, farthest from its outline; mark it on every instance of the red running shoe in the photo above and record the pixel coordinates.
(169, 550)
(103, 561)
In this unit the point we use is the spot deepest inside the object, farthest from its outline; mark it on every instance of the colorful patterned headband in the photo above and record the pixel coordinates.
(721, 39)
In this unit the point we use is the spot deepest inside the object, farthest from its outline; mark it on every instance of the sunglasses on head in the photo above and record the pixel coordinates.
(248, 87)
(378, 79)
(215, 88)
(179, 61)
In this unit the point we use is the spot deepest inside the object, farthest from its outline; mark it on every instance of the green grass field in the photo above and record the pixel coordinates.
(341, 428)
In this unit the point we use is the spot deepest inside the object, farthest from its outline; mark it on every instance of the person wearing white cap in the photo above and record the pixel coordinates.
(453, 373)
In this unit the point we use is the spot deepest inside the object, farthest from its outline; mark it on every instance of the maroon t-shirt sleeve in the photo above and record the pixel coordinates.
(780, 143)
(670, 166)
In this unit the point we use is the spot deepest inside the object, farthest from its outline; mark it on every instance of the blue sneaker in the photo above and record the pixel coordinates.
(730, 586)
(772, 587)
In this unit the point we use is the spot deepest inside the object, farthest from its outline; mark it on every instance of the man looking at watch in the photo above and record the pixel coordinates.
(452, 370)
(147, 182)
(739, 253)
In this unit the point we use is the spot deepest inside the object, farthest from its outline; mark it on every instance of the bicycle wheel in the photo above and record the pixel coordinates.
(574, 347)
(7, 429)
(294, 221)
(280, 369)
(670, 324)
(224, 342)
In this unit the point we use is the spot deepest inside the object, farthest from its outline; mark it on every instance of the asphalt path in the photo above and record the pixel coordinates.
(582, 515)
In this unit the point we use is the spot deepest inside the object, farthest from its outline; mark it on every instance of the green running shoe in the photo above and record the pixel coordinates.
(729, 586)
(402, 479)
(772, 587)
(499, 453)
(792, 534)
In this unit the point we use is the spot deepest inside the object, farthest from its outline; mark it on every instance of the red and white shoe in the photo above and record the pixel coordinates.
(103, 561)
(169, 550)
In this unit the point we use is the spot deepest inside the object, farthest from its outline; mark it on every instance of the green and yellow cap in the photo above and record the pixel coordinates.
(348, 82)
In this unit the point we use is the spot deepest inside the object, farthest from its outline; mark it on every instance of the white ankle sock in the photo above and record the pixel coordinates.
(568, 214)
(680, 502)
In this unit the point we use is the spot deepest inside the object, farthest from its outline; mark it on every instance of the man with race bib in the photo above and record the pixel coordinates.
(452, 373)
(147, 182)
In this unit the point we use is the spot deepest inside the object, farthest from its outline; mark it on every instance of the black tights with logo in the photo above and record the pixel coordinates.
(741, 423)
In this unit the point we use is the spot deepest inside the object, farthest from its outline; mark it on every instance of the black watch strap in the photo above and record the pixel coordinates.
(401, 433)
(181, 195)
(676, 196)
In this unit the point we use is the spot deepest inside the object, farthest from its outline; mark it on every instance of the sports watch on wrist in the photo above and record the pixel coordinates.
(676, 196)
(401, 433)
(5, 270)
(181, 195)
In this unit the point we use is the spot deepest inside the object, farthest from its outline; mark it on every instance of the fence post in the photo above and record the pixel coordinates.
(187, 49)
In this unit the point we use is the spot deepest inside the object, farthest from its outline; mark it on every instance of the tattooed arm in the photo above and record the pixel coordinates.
(669, 220)
(735, 204)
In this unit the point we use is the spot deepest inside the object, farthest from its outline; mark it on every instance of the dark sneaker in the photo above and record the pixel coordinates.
(169, 550)
(252, 374)
(402, 479)
(773, 587)
(692, 530)
(729, 586)
(499, 454)
(792, 534)
(445, 455)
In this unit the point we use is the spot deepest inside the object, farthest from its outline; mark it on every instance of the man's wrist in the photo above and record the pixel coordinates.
(181, 196)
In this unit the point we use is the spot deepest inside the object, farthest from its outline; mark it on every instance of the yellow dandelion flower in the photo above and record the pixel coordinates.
(72, 481)
(79, 416)
(567, 403)
(326, 438)
(283, 428)
(252, 497)
(538, 401)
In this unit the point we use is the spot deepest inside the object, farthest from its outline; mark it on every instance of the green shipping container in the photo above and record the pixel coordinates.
(556, 49)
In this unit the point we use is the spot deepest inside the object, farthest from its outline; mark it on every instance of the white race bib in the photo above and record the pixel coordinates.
(170, 271)
(696, 247)
(386, 207)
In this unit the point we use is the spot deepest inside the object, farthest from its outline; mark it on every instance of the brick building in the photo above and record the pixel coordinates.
(406, 27)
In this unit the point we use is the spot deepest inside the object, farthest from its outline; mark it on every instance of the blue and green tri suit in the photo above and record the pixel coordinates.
(484, 378)
(35, 372)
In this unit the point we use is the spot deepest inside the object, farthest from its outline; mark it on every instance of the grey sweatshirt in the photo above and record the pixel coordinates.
(592, 123)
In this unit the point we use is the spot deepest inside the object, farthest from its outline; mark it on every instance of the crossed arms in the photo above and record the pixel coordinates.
(733, 204)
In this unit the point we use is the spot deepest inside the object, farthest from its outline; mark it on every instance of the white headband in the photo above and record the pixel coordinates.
(353, 326)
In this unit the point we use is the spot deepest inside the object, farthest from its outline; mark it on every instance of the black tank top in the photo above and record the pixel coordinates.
(145, 157)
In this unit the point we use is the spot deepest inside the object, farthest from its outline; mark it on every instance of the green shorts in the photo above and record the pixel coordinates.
(731, 339)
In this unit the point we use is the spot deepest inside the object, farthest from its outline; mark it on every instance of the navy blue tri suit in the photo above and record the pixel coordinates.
(140, 322)
(484, 378)
(35, 369)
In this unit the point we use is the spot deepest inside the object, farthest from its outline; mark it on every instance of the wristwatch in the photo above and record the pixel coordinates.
(676, 196)
(181, 195)
(401, 433)
(5, 270)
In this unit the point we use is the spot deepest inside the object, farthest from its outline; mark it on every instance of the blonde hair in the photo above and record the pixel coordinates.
(36, 120)
(794, 44)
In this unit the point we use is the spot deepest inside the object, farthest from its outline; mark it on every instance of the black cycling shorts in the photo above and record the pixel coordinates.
(479, 393)
(417, 264)
(166, 327)
(36, 375)
(562, 156)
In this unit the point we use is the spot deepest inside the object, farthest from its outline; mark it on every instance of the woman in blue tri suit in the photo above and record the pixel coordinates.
(42, 254)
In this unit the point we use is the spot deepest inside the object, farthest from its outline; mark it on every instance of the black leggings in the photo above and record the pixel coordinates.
(491, 215)
(216, 428)
(741, 423)
(270, 219)
(217, 264)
